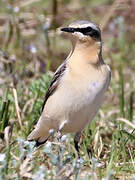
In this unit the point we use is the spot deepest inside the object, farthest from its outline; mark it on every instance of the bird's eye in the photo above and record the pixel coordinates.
(88, 29)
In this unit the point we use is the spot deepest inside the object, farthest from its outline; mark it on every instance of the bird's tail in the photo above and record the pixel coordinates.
(40, 134)
(36, 135)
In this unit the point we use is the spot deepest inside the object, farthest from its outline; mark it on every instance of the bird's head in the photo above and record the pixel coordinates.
(84, 31)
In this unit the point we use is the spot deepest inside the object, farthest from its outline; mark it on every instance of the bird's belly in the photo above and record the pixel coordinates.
(83, 107)
(74, 106)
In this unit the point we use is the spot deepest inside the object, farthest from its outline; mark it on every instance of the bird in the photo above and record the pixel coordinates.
(78, 87)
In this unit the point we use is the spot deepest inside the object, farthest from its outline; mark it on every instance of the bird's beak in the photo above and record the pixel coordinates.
(68, 29)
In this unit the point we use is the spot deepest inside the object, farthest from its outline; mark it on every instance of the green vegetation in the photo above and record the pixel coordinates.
(30, 50)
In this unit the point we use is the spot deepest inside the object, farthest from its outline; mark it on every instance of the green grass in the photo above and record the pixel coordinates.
(29, 51)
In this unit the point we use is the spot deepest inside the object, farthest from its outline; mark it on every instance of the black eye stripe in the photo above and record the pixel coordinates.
(89, 32)
(83, 30)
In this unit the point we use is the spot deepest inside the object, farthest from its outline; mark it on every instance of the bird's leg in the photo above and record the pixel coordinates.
(76, 141)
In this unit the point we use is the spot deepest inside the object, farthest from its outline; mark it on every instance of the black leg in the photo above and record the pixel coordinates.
(76, 141)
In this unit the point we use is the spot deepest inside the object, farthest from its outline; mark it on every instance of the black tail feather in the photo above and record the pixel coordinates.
(40, 143)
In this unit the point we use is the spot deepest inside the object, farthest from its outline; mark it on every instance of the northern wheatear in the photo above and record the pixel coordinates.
(78, 86)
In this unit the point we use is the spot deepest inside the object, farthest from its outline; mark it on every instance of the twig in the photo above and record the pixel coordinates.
(116, 5)
(28, 103)
(26, 3)
(17, 107)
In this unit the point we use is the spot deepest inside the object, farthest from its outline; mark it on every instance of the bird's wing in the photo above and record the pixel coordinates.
(55, 82)
(36, 134)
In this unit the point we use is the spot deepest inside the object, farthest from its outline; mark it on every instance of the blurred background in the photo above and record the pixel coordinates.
(31, 49)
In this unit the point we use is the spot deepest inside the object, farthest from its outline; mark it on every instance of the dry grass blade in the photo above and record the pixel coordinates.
(132, 158)
(17, 107)
(6, 135)
(25, 168)
(96, 140)
(127, 122)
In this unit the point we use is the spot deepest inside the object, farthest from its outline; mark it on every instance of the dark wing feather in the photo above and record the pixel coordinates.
(55, 82)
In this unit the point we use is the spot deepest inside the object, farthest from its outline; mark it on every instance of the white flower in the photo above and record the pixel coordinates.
(63, 138)
(48, 147)
(40, 174)
(16, 9)
(33, 49)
